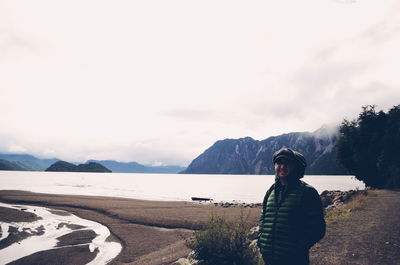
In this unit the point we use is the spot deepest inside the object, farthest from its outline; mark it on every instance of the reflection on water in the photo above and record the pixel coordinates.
(246, 188)
(43, 234)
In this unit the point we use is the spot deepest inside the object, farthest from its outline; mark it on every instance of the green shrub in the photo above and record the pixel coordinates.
(224, 243)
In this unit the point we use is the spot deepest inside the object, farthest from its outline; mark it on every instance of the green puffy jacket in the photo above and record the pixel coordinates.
(289, 227)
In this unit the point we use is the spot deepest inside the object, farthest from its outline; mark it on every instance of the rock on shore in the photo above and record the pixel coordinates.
(328, 198)
(331, 199)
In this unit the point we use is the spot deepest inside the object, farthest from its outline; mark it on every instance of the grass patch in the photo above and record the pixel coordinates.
(345, 210)
(224, 243)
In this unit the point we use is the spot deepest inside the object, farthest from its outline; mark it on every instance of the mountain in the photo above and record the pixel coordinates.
(62, 166)
(249, 156)
(28, 162)
(11, 165)
(133, 167)
(92, 167)
(69, 167)
(31, 163)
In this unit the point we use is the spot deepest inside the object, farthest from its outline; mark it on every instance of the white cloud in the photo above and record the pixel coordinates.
(160, 81)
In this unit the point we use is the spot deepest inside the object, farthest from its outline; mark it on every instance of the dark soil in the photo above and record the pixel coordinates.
(79, 255)
(76, 237)
(13, 237)
(13, 215)
(369, 236)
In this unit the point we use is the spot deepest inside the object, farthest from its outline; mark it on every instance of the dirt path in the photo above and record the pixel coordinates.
(370, 236)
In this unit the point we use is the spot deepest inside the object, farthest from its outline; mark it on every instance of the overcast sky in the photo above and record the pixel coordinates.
(158, 82)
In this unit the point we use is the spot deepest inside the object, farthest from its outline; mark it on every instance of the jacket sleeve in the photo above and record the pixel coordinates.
(314, 229)
(262, 213)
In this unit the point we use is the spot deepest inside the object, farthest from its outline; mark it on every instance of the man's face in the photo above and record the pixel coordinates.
(283, 167)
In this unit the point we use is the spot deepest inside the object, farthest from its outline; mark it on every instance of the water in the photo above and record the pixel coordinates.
(50, 225)
(166, 187)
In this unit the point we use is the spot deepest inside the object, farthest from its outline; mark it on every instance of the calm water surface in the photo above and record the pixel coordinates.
(245, 188)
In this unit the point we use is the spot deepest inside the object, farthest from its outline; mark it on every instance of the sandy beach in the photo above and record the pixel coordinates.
(150, 232)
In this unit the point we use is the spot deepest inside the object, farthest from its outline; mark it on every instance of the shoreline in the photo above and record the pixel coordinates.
(220, 188)
(150, 232)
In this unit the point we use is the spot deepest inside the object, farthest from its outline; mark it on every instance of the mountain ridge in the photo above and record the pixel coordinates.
(11, 165)
(27, 162)
(134, 167)
(63, 166)
(249, 156)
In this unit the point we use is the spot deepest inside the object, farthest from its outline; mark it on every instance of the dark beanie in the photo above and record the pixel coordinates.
(291, 155)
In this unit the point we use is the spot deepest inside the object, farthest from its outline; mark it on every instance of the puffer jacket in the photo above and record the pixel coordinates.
(289, 227)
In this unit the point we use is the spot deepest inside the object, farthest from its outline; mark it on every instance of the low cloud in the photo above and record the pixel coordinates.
(188, 114)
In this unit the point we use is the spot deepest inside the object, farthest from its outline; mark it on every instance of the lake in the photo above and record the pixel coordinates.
(166, 187)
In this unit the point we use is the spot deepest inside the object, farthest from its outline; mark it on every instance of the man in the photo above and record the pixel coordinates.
(292, 219)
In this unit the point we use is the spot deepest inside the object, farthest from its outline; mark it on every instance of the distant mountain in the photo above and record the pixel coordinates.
(11, 165)
(28, 162)
(31, 163)
(69, 167)
(133, 167)
(62, 166)
(249, 156)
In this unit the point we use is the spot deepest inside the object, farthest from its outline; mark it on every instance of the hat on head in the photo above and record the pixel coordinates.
(283, 153)
(291, 155)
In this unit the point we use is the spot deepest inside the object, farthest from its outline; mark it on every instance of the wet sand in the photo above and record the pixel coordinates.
(12, 215)
(151, 232)
(30, 234)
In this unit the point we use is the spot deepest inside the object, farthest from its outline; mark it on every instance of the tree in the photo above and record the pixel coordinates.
(389, 161)
(369, 147)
